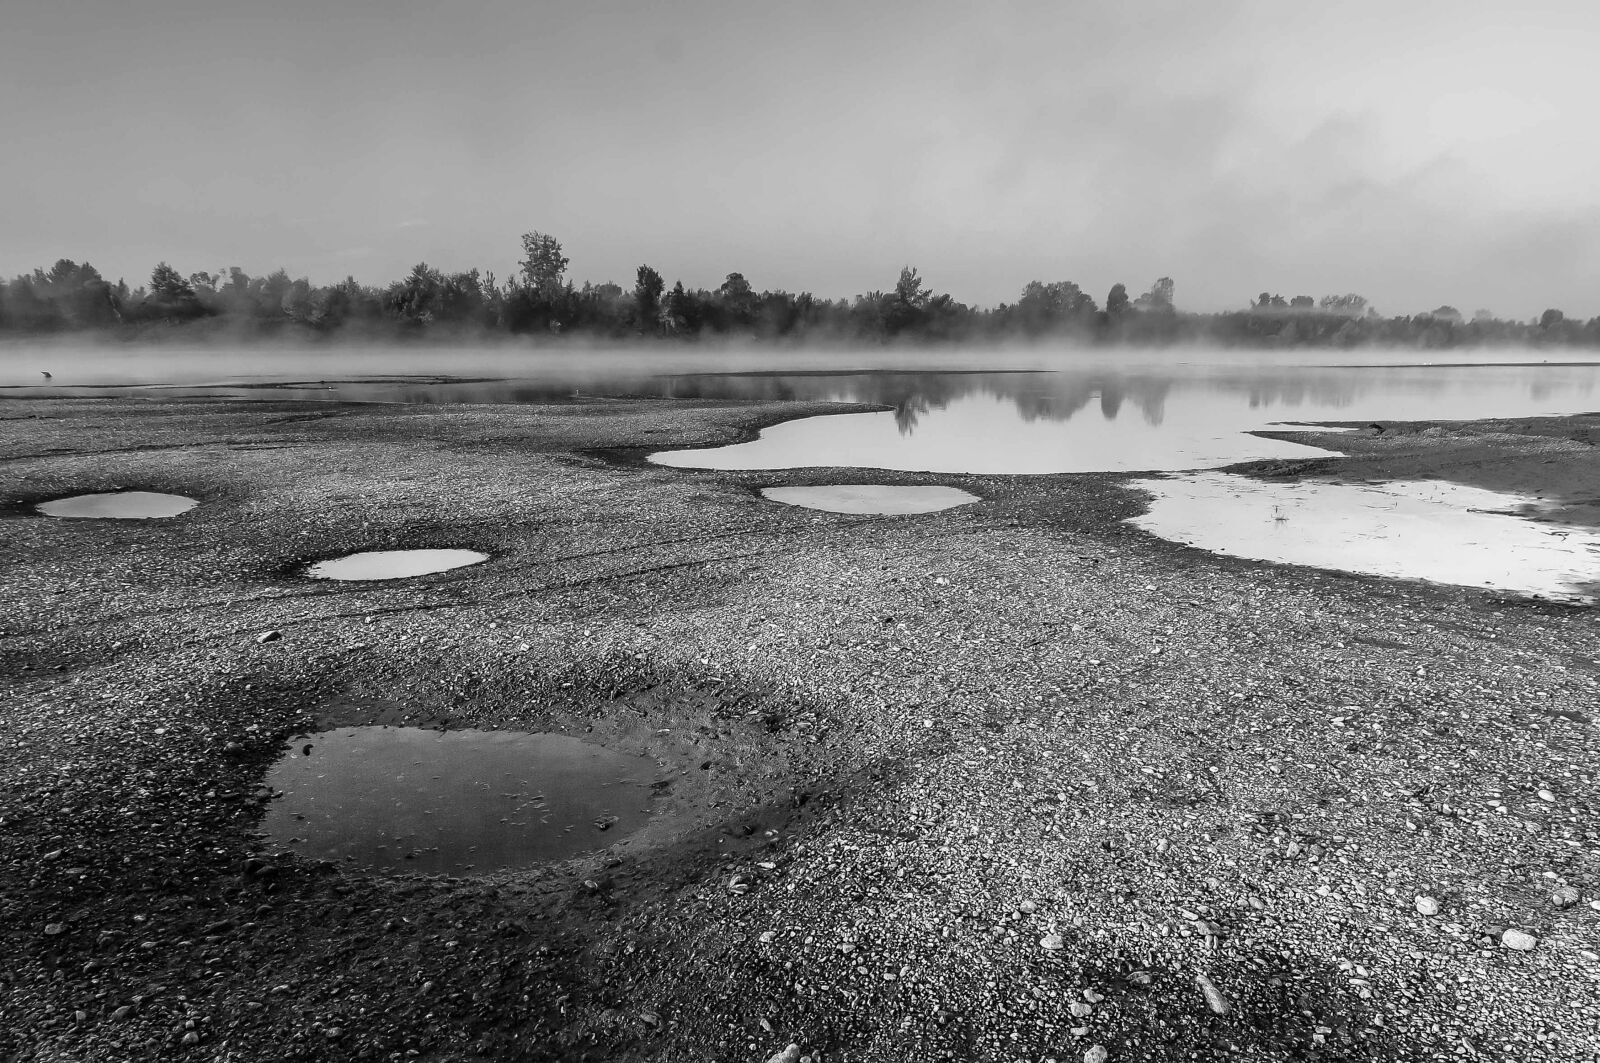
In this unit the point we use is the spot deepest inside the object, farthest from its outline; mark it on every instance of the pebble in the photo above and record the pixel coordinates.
(1519, 940)
(739, 883)
(1052, 942)
(1427, 906)
(1080, 1010)
(1214, 998)
(1565, 897)
(790, 1054)
(269, 636)
(52, 929)
(1096, 1054)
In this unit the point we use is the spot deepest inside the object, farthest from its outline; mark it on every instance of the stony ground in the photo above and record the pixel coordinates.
(1014, 781)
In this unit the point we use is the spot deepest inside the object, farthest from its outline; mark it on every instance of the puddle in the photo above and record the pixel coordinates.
(119, 505)
(393, 564)
(1430, 530)
(884, 499)
(451, 801)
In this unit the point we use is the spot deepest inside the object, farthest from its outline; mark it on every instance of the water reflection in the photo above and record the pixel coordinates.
(1431, 530)
(422, 800)
(1180, 418)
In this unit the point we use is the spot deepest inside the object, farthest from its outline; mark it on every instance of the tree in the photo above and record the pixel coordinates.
(1159, 297)
(1117, 301)
(647, 289)
(168, 283)
(544, 264)
(1352, 305)
(1302, 302)
(910, 290)
(1551, 318)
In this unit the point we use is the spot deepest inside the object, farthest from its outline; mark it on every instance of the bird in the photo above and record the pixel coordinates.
(44, 374)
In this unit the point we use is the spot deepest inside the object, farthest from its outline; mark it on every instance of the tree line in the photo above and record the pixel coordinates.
(540, 300)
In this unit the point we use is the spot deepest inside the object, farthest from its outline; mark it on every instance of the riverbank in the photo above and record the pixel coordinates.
(992, 783)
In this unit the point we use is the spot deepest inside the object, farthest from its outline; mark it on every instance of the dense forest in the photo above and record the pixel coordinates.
(540, 300)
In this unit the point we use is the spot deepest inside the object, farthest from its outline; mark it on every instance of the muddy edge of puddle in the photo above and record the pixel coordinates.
(916, 708)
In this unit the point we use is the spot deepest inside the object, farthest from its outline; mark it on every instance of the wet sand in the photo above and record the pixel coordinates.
(992, 783)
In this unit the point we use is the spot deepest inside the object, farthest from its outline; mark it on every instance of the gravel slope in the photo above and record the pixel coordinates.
(1013, 781)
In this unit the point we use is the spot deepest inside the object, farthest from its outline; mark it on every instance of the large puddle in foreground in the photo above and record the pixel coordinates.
(876, 499)
(453, 801)
(1430, 530)
(119, 505)
(393, 564)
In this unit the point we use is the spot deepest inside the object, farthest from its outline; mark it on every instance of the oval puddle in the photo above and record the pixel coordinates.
(393, 564)
(880, 499)
(1431, 530)
(451, 801)
(118, 505)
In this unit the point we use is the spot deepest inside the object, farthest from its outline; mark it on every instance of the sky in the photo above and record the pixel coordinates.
(1416, 152)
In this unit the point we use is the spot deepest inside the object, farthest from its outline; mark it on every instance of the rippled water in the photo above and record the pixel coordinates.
(119, 505)
(393, 564)
(451, 801)
(1430, 530)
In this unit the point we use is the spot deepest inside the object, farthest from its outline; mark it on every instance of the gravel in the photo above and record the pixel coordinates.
(895, 758)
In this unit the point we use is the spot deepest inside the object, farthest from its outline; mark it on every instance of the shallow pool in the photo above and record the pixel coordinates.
(453, 801)
(882, 499)
(118, 505)
(393, 564)
(1430, 530)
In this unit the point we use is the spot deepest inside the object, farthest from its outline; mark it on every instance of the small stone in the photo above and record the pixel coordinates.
(1519, 940)
(1080, 1010)
(1214, 998)
(1427, 906)
(649, 1018)
(739, 883)
(1546, 795)
(121, 1013)
(767, 936)
(53, 929)
(1052, 942)
(191, 1038)
(1565, 897)
(1028, 906)
(1092, 997)
(790, 1054)
(269, 636)
(1096, 1054)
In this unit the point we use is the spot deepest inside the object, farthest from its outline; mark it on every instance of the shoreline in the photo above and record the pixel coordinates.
(954, 736)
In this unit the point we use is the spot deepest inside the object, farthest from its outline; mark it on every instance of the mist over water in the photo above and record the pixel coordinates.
(981, 410)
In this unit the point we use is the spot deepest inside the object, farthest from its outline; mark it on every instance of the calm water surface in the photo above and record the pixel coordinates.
(879, 499)
(393, 564)
(1444, 532)
(451, 801)
(119, 505)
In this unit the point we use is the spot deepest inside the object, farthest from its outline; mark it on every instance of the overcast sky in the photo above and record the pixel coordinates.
(1417, 152)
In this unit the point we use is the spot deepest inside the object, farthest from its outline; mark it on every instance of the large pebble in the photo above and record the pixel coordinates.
(1519, 940)
(790, 1054)
(1052, 943)
(1427, 906)
(1565, 897)
(1096, 1054)
(1214, 998)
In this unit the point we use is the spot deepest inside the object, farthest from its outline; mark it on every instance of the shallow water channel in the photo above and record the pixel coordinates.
(453, 801)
